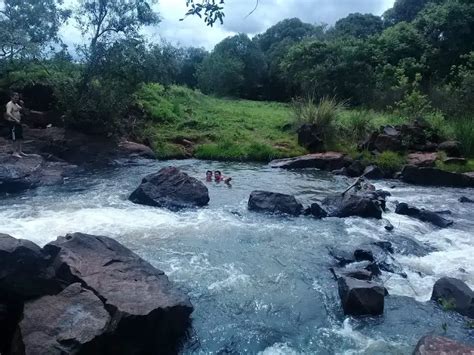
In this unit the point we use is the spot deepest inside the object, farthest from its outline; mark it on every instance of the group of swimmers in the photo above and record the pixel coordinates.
(217, 177)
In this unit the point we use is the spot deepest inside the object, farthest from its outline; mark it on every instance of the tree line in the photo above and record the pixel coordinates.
(417, 57)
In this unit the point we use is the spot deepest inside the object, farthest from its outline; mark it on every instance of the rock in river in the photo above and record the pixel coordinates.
(172, 189)
(360, 297)
(455, 293)
(438, 345)
(423, 215)
(364, 204)
(271, 202)
(328, 161)
(148, 314)
(435, 177)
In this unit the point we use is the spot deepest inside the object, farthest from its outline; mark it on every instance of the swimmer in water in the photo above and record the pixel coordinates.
(218, 177)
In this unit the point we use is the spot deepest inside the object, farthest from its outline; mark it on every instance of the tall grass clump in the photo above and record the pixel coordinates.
(463, 130)
(323, 114)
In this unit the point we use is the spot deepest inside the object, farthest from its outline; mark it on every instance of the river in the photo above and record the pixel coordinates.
(259, 283)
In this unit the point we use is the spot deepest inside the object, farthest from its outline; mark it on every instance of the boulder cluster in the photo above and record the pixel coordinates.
(85, 294)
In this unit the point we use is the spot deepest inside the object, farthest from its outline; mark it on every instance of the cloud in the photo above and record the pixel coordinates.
(193, 32)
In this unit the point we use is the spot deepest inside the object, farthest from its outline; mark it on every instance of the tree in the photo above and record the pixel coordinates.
(405, 11)
(222, 75)
(27, 25)
(358, 25)
(190, 60)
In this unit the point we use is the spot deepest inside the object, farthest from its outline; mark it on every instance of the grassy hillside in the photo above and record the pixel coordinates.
(182, 122)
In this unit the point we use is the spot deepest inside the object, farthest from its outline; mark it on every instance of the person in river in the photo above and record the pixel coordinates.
(14, 110)
(218, 177)
(208, 176)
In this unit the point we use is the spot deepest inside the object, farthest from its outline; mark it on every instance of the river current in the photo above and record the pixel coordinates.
(259, 283)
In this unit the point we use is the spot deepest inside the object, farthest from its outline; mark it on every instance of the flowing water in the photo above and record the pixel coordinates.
(259, 283)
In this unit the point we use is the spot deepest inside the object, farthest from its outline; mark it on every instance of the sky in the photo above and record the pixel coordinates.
(193, 32)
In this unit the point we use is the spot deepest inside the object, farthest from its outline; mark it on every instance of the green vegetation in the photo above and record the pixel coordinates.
(447, 305)
(181, 121)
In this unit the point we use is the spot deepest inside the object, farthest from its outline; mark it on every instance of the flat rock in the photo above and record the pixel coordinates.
(136, 150)
(171, 188)
(73, 321)
(423, 215)
(147, 311)
(361, 297)
(272, 202)
(452, 148)
(456, 294)
(422, 159)
(438, 345)
(328, 161)
(435, 177)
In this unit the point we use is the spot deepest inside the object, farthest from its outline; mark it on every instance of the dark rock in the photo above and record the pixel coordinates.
(24, 270)
(452, 148)
(359, 205)
(408, 246)
(356, 169)
(342, 256)
(359, 275)
(360, 298)
(438, 345)
(455, 293)
(385, 246)
(309, 138)
(328, 161)
(455, 161)
(373, 172)
(316, 211)
(17, 175)
(423, 215)
(72, 322)
(435, 177)
(10, 314)
(342, 171)
(172, 189)
(385, 142)
(149, 315)
(271, 202)
(389, 226)
(422, 159)
(465, 199)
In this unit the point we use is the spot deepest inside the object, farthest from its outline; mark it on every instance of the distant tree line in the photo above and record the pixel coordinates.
(419, 50)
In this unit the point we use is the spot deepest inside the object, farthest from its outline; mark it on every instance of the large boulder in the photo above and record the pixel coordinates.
(361, 297)
(71, 322)
(149, 315)
(422, 159)
(438, 345)
(365, 205)
(24, 270)
(435, 177)
(17, 175)
(423, 215)
(308, 137)
(272, 202)
(328, 161)
(171, 188)
(456, 294)
(452, 148)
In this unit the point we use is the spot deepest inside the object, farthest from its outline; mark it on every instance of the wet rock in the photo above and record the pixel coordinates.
(172, 189)
(389, 226)
(356, 169)
(343, 256)
(342, 171)
(316, 211)
(359, 275)
(149, 314)
(328, 161)
(308, 137)
(73, 321)
(438, 345)
(456, 294)
(360, 298)
(422, 159)
(423, 215)
(10, 314)
(24, 270)
(133, 149)
(435, 177)
(385, 246)
(408, 246)
(465, 199)
(271, 202)
(17, 175)
(365, 205)
(452, 148)
(373, 172)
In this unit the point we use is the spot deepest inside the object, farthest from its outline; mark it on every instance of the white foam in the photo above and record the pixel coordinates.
(279, 349)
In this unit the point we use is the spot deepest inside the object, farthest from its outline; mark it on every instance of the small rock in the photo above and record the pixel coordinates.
(316, 211)
(465, 199)
(373, 172)
(456, 294)
(271, 202)
(389, 226)
(423, 215)
(438, 345)
(360, 298)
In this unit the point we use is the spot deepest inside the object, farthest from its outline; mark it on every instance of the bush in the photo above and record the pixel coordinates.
(463, 130)
(390, 161)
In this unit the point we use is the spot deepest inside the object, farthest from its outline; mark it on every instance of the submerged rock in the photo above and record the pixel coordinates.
(435, 177)
(316, 211)
(360, 297)
(17, 175)
(271, 202)
(465, 199)
(172, 189)
(455, 294)
(328, 161)
(423, 215)
(148, 313)
(438, 345)
(24, 270)
(71, 322)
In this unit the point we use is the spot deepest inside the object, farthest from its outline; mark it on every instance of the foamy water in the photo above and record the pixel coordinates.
(261, 284)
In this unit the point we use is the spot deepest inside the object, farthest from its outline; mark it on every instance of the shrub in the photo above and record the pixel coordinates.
(390, 161)
(463, 130)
